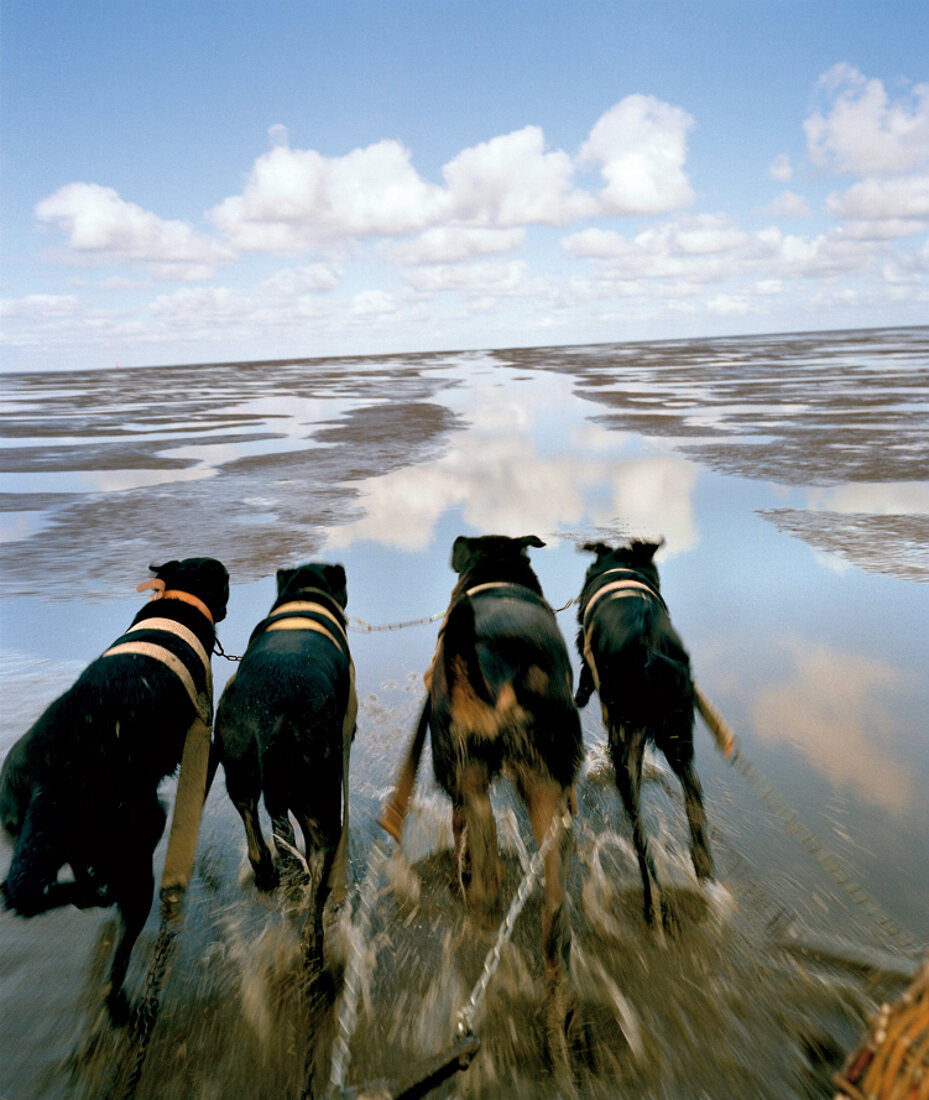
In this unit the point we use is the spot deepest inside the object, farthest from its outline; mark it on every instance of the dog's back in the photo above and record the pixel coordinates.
(643, 667)
(80, 786)
(501, 687)
(632, 656)
(284, 725)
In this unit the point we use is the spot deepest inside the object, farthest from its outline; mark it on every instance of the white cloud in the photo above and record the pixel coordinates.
(499, 278)
(372, 303)
(277, 134)
(859, 130)
(899, 197)
(788, 205)
(296, 199)
(780, 168)
(37, 306)
(319, 278)
(729, 305)
(100, 223)
(511, 180)
(450, 244)
(640, 145)
(704, 249)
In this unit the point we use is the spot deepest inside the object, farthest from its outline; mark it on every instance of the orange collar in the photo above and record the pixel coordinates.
(159, 593)
(194, 601)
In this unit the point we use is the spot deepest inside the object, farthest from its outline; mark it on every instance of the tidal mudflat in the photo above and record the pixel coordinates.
(788, 477)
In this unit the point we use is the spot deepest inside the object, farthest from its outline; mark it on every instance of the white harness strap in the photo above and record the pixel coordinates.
(203, 701)
(307, 605)
(183, 633)
(616, 590)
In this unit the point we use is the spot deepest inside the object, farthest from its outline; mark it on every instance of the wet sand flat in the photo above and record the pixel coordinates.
(788, 477)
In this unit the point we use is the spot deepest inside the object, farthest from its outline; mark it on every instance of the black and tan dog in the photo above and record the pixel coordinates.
(284, 726)
(81, 786)
(632, 656)
(500, 700)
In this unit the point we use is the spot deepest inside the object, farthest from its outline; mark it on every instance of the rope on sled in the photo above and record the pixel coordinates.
(893, 1061)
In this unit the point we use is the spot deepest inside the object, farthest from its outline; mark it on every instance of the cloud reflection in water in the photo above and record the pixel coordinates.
(524, 466)
(836, 712)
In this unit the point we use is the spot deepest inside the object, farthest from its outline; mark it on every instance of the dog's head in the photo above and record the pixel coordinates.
(327, 578)
(637, 554)
(468, 553)
(205, 578)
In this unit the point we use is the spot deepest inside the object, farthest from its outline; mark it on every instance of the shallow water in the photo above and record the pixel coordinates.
(788, 477)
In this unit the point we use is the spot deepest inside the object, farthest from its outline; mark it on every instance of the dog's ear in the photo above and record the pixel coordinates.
(335, 578)
(599, 548)
(461, 553)
(528, 540)
(168, 567)
(284, 577)
(641, 551)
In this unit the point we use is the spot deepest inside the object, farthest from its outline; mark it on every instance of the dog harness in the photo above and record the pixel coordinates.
(298, 615)
(202, 700)
(615, 590)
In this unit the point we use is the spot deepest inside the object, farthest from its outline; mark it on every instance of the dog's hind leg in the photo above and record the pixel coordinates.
(321, 834)
(460, 859)
(243, 785)
(132, 882)
(484, 887)
(259, 854)
(31, 886)
(627, 745)
(133, 898)
(681, 760)
(284, 836)
(545, 801)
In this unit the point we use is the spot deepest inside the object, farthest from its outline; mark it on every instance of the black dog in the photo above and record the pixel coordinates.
(80, 787)
(284, 726)
(500, 692)
(633, 657)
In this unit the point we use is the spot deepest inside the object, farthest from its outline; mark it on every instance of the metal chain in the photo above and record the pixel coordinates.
(367, 628)
(146, 1015)
(467, 1014)
(218, 649)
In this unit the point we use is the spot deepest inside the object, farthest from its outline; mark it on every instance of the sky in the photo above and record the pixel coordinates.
(202, 181)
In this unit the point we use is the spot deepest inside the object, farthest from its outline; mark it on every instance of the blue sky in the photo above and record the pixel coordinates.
(193, 182)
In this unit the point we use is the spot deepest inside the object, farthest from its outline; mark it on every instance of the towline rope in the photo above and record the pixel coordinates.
(728, 745)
